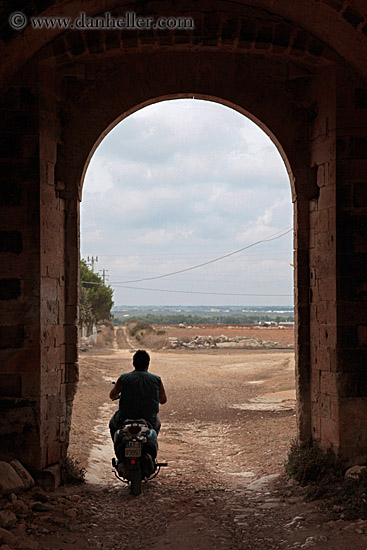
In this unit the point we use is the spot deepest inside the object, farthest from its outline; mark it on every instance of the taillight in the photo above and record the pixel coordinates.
(147, 432)
(132, 462)
(134, 429)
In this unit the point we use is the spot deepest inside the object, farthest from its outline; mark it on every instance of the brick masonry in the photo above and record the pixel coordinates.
(64, 92)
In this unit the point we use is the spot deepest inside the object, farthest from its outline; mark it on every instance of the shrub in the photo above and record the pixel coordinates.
(323, 472)
(352, 497)
(140, 326)
(308, 463)
(73, 473)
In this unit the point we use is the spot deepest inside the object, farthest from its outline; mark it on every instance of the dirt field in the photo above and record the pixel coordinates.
(283, 335)
(226, 429)
(224, 397)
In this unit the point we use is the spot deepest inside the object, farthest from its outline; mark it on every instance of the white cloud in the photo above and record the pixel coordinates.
(179, 182)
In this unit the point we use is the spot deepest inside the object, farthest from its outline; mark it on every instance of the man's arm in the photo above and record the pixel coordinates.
(116, 390)
(162, 395)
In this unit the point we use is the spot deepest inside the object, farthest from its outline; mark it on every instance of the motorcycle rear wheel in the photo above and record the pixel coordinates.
(135, 476)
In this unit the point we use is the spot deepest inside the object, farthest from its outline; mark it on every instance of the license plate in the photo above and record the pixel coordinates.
(133, 449)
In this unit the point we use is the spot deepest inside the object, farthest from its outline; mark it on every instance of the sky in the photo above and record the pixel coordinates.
(180, 183)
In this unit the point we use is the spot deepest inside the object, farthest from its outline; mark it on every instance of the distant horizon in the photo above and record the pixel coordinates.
(203, 306)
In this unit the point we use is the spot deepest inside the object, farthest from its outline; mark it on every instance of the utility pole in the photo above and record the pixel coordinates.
(104, 275)
(92, 260)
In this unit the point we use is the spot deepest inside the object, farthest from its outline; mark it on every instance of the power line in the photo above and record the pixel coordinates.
(268, 239)
(248, 258)
(197, 292)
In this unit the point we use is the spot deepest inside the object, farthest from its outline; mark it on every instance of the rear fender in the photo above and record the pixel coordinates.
(135, 466)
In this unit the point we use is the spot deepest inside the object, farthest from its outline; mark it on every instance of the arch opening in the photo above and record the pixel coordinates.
(213, 115)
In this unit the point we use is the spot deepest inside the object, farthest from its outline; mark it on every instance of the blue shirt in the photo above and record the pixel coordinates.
(139, 395)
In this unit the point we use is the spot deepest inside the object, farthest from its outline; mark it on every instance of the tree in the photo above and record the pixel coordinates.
(86, 317)
(99, 296)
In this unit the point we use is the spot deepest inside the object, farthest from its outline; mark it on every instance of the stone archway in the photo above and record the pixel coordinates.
(59, 104)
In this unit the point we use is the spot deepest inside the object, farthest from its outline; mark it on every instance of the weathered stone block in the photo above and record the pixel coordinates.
(10, 385)
(359, 147)
(315, 427)
(49, 382)
(72, 373)
(10, 482)
(352, 16)
(24, 475)
(10, 194)
(8, 519)
(349, 313)
(70, 391)
(71, 334)
(327, 289)
(247, 33)
(327, 197)
(228, 32)
(113, 40)
(264, 37)
(329, 434)
(324, 405)
(10, 289)
(50, 477)
(71, 314)
(11, 336)
(315, 384)
(31, 384)
(76, 42)
(50, 336)
(52, 312)
(28, 97)
(54, 449)
(362, 335)
(353, 419)
(328, 383)
(352, 360)
(360, 194)
(69, 353)
(354, 472)
(11, 241)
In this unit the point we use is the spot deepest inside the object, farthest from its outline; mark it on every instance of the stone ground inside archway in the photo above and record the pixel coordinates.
(226, 430)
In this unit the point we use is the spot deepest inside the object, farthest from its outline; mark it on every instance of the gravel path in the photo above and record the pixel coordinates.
(225, 433)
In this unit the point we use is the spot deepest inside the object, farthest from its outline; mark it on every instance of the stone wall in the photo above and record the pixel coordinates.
(338, 249)
(38, 333)
(63, 91)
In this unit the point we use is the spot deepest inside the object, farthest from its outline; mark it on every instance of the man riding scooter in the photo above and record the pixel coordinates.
(141, 393)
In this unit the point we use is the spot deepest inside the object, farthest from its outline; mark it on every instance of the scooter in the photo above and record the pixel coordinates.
(136, 446)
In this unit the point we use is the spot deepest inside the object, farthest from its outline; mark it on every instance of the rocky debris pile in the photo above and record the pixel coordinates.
(14, 478)
(86, 342)
(24, 519)
(354, 472)
(265, 514)
(222, 341)
(102, 335)
(28, 512)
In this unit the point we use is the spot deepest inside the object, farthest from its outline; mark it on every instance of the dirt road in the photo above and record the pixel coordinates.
(226, 429)
(223, 405)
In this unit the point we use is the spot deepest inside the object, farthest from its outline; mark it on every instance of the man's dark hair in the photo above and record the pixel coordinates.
(141, 360)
